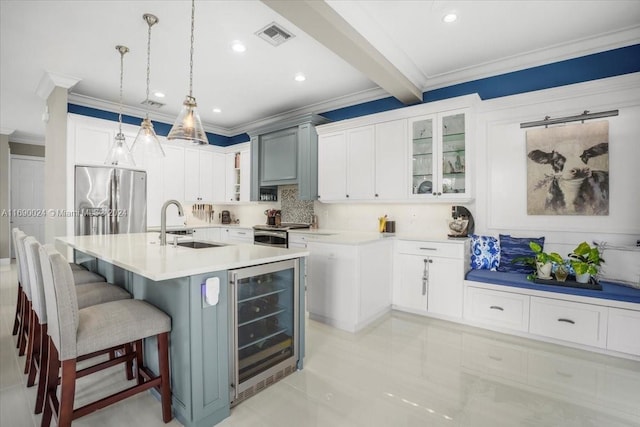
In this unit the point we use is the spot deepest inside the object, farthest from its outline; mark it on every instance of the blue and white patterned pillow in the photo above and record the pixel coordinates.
(512, 248)
(485, 252)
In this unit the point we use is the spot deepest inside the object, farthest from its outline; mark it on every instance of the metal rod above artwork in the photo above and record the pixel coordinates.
(586, 115)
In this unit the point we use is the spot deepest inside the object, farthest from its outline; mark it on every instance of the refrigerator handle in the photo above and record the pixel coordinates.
(113, 204)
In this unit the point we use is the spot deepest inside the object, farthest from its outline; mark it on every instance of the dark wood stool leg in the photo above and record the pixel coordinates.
(50, 398)
(139, 348)
(128, 349)
(24, 331)
(165, 386)
(44, 365)
(16, 320)
(31, 320)
(34, 353)
(21, 327)
(67, 392)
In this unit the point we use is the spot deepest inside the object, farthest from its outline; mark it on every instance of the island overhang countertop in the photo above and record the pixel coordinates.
(142, 254)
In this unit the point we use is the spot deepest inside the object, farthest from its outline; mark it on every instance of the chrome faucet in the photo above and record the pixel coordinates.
(163, 219)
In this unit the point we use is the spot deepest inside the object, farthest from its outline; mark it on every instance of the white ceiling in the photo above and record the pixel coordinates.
(78, 39)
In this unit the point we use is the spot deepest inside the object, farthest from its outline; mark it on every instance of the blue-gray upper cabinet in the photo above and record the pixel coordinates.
(279, 157)
(286, 153)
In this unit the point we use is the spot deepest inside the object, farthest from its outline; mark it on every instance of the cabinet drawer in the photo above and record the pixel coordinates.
(333, 251)
(623, 331)
(297, 238)
(426, 248)
(570, 321)
(501, 309)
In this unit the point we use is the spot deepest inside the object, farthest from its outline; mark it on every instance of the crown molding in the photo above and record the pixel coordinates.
(50, 80)
(5, 131)
(525, 60)
(318, 108)
(27, 138)
(100, 104)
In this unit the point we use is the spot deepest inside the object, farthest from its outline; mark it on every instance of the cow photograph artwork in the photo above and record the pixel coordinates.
(568, 170)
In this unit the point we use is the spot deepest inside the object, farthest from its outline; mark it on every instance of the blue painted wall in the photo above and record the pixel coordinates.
(611, 63)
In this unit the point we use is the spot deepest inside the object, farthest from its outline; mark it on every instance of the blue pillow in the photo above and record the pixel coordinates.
(514, 247)
(485, 252)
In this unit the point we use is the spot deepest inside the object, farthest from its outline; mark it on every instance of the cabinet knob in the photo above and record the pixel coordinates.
(347, 196)
(434, 193)
(439, 193)
(376, 194)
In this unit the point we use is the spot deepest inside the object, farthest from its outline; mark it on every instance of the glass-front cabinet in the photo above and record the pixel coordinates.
(439, 155)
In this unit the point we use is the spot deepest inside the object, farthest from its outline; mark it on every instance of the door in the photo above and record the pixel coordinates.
(445, 292)
(390, 162)
(332, 167)
(409, 290)
(27, 196)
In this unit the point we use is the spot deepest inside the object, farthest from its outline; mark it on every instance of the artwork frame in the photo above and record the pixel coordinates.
(568, 169)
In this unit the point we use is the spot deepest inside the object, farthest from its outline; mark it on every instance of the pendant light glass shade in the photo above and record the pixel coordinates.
(188, 125)
(119, 154)
(146, 145)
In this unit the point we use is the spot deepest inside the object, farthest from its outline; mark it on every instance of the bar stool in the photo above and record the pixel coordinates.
(17, 322)
(78, 332)
(88, 294)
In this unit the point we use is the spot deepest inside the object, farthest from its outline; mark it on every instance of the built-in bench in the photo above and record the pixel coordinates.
(610, 290)
(606, 320)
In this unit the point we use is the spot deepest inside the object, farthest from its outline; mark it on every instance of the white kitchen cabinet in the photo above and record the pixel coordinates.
(569, 321)
(439, 153)
(349, 286)
(165, 181)
(503, 310)
(298, 241)
(363, 164)
(238, 169)
(332, 166)
(430, 276)
(198, 175)
(390, 160)
(624, 331)
(236, 235)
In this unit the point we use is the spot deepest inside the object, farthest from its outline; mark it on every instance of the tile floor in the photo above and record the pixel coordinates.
(404, 371)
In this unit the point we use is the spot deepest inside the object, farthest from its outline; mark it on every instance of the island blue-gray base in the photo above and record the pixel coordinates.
(199, 341)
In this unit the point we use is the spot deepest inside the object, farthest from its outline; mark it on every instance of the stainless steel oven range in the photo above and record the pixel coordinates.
(274, 235)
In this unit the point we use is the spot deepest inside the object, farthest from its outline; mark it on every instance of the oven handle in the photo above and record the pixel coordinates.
(280, 234)
(273, 245)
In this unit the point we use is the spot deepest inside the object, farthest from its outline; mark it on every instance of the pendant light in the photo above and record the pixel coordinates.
(188, 125)
(146, 145)
(119, 154)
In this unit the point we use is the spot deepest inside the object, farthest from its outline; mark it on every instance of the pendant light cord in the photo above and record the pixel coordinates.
(193, 11)
(122, 50)
(148, 66)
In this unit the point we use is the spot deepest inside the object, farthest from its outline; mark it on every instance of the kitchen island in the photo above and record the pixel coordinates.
(192, 286)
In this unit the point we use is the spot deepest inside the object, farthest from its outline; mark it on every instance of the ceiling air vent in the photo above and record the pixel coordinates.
(275, 34)
(154, 104)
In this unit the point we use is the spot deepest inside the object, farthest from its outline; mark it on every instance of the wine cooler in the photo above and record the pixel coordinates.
(264, 317)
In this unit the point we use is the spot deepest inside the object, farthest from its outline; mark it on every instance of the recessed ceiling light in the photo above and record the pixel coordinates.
(158, 94)
(449, 18)
(217, 110)
(238, 46)
(300, 77)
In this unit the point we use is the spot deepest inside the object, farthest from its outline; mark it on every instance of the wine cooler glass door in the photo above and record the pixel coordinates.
(265, 315)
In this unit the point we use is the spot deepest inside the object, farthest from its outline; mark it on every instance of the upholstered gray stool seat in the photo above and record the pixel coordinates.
(118, 322)
(99, 293)
(83, 276)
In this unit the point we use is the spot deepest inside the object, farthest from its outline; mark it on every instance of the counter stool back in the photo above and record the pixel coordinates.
(17, 320)
(25, 304)
(88, 294)
(78, 332)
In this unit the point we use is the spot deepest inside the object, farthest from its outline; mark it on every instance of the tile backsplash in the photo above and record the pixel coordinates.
(294, 210)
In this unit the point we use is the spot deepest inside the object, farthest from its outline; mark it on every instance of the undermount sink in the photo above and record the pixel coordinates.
(194, 244)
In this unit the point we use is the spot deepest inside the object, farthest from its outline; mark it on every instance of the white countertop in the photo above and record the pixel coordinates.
(142, 254)
(156, 229)
(347, 237)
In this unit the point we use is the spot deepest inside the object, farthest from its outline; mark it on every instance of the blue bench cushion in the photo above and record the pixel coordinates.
(610, 290)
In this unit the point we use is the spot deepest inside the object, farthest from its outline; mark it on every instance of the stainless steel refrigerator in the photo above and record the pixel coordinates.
(110, 200)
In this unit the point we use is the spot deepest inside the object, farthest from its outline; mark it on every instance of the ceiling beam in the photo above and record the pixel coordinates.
(320, 21)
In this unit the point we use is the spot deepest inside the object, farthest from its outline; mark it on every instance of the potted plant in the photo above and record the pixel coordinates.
(541, 262)
(586, 262)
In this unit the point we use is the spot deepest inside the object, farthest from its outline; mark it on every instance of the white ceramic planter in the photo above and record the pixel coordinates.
(544, 270)
(583, 278)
